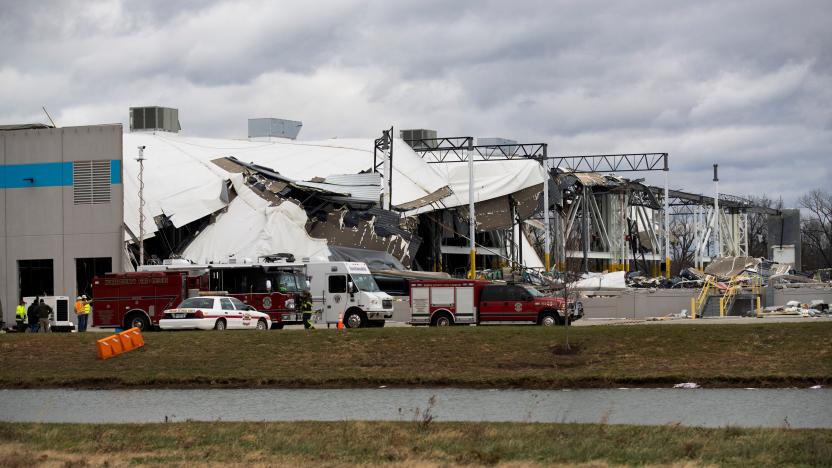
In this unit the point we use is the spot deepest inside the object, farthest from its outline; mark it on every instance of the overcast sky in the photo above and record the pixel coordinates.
(747, 84)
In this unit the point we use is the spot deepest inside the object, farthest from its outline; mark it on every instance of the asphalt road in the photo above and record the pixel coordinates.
(597, 322)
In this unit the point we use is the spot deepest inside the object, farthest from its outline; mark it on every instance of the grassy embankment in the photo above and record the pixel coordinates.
(410, 443)
(761, 355)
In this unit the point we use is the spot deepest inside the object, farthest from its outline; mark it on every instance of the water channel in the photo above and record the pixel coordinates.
(796, 408)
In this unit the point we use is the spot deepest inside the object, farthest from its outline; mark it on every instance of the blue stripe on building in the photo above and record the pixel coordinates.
(115, 171)
(52, 174)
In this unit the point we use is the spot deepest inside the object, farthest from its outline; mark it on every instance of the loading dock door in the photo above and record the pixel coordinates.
(86, 269)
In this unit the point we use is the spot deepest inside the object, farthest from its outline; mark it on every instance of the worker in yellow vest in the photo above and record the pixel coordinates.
(20, 317)
(82, 308)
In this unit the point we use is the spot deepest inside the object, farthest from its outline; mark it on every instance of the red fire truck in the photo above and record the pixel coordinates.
(138, 299)
(130, 300)
(449, 302)
(270, 287)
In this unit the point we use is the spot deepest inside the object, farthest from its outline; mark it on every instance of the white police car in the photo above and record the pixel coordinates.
(214, 313)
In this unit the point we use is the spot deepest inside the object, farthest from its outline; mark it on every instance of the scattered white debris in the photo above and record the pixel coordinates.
(382, 386)
(816, 387)
(686, 385)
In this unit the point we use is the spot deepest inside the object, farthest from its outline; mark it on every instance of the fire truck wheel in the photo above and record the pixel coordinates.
(220, 325)
(548, 319)
(355, 319)
(137, 320)
(442, 320)
(262, 325)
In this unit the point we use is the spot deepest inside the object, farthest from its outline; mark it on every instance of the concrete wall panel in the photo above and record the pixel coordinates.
(34, 211)
(92, 143)
(33, 146)
(803, 295)
(638, 303)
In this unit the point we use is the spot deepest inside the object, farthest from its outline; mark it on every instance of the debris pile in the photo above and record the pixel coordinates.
(815, 308)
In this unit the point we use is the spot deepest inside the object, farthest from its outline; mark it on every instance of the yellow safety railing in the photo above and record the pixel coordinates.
(699, 301)
(727, 299)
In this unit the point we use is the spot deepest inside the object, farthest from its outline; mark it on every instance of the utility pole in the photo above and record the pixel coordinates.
(387, 151)
(546, 259)
(140, 159)
(666, 170)
(718, 250)
(472, 218)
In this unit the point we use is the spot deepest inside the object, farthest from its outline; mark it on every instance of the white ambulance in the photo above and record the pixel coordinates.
(347, 290)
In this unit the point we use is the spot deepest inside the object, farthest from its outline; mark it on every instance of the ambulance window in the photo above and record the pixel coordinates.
(338, 284)
(226, 304)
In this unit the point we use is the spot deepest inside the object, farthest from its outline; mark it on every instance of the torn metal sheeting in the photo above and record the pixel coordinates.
(359, 188)
(364, 234)
(528, 201)
(727, 267)
(428, 199)
(491, 214)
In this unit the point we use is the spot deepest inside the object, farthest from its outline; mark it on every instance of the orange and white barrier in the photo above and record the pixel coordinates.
(119, 343)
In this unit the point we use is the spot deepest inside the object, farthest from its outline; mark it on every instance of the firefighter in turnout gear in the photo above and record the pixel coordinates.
(306, 309)
(20, 317)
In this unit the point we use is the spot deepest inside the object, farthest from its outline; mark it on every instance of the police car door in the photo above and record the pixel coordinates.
(336, 297)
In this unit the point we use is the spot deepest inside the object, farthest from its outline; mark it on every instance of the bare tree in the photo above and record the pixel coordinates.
(570, 273)
(682, 236)
(816, 228)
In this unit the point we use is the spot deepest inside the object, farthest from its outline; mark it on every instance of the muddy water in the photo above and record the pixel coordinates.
(805, 408)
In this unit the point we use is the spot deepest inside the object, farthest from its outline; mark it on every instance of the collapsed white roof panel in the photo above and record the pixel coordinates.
(182, 182)
(493, 179)
(251, 228)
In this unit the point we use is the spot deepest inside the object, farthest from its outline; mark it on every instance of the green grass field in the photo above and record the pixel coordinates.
(407, 443)
(756, 355)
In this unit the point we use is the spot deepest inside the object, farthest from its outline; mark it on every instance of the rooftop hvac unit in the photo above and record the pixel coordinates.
(416, 138)
(271, 127)
(153, 118)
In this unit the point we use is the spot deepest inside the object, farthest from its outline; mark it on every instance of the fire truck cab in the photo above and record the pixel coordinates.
(450, 302)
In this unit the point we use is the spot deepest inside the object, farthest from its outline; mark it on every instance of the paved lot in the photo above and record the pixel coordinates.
(596, 322)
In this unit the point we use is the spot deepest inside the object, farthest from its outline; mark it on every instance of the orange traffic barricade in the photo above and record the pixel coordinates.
(120, 343)
(105, 351)
(115, 343)
(124, 339)
(136, 337)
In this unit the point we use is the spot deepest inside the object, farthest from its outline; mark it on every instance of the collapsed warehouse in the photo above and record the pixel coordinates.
(242, 200)
(211, 200)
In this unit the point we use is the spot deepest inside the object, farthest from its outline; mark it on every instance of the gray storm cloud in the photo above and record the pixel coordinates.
(745, 84)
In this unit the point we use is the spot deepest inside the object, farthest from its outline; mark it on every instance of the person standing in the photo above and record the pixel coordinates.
(44, 312)
(306, 310)
(20, 316)
(32, 312)
(82, 309)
